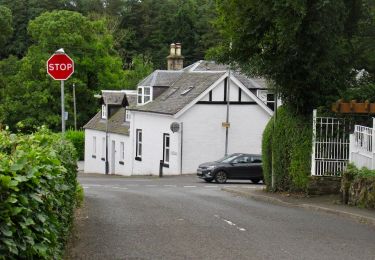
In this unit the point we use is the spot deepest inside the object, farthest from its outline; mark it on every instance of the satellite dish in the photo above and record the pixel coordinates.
(175, 127)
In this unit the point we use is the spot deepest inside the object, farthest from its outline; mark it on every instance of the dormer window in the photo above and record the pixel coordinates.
(127, 115)
(104, 111)
(267, 97)
(144, 95)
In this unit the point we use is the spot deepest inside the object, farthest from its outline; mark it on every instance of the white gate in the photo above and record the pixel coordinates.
(330, 146)
(362, 147)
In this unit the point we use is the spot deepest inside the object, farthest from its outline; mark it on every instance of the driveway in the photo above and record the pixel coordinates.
(183, 217)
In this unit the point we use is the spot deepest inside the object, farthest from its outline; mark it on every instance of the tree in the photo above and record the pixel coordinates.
(32, 98)
(306, 47)
(141, 67)
(6, 28)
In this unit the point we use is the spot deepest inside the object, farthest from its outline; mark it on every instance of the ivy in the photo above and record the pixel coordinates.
(37, 193)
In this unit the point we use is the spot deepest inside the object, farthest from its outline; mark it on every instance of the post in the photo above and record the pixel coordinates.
(313, 165)
(75, 108)
(273, 134)
(227, 119)
(373, 144)
(106, 140)
(62, 108)
(161, 165)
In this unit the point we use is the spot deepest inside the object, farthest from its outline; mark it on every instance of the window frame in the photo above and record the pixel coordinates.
(138, 145)
(94, 147)
(166, 149)
(141, 95)
(104, 111)
(265, 93)
(103, 148)
(122, 153)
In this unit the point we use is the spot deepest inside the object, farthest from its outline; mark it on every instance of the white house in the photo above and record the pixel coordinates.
(179, 119)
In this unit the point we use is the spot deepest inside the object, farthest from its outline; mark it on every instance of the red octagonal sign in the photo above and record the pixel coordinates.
(60, 66)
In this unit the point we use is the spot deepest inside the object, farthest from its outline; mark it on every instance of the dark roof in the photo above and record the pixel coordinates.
(187, 87)
(161, 78)
(116, 123)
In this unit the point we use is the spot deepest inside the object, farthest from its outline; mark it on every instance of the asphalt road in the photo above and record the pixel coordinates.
(184, 218)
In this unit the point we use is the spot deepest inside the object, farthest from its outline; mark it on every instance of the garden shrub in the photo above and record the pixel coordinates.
(78, 140)
(37, 193)
(289, 138)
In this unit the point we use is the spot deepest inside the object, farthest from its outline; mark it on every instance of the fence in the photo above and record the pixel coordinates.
(362, 147)
(330, 146)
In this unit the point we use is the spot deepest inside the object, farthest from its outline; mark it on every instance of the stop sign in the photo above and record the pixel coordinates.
(60, 66)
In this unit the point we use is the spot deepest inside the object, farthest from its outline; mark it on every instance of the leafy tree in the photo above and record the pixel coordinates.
(32, 98)
(6, 28)
(308, 48)
(141, 67)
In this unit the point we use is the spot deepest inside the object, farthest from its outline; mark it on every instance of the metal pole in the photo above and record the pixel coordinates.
(227, 119)
(273, 143)
(181, 147)
(106, 140)
(62, 108)
(75, 108)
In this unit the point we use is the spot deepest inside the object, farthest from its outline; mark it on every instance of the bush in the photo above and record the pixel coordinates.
(289, 138)
(358, 187)
(78, 140)
(37, 193)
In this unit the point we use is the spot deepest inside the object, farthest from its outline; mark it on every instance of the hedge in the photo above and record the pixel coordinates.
(358, 187)
(37, 193)
(289, 138)
(78, 140)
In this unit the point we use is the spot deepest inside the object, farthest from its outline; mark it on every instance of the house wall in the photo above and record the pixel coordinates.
(97, 164)
(153, 127)
(204, 135)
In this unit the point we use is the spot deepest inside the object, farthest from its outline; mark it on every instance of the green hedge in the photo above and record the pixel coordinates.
(290, 140)
(78, 140)
(37, 193)
(358, 187)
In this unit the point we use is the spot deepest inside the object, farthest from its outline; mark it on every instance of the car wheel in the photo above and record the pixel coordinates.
(255, 181)
(221, 177)
(208, 180)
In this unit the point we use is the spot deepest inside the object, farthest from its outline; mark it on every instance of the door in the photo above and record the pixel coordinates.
(240, 167)
(256, 167)
(113, 157)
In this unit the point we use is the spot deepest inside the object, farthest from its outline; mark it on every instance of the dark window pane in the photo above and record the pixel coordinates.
(167, 141)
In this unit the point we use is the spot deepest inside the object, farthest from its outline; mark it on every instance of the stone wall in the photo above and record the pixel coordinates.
(322, 185)
(358, 190)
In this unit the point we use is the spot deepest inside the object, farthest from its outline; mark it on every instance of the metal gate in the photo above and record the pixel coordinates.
(330, 146)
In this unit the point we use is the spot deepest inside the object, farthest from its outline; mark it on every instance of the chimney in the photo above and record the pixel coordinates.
(175, 60)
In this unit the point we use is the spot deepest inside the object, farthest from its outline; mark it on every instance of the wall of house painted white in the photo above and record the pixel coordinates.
(95, 157)
(204, 135)
(153, 127)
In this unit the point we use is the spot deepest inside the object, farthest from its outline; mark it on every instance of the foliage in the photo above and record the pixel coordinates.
(38, 194)
(77, 138)
(358, 187)
(308, 48)
(289, 138)
(6, 28)
(32, 98)
(140, 68)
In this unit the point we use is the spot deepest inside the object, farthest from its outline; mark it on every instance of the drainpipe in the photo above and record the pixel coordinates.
(181, 145)
(227, 119)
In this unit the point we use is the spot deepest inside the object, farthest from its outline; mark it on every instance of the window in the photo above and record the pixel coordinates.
(144, 95)
(94, 147)
(166, 149)
(267, 98)
(104, 111)
(127, 115)
(103, 149)
(138, 145)
(122, 153)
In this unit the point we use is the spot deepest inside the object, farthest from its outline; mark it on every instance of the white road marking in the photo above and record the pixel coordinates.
(211, 186)
(230, 223)
(230, 186)
(170, 186)
(85, 187)
(93, 185)
(190, 186)
(151, 185)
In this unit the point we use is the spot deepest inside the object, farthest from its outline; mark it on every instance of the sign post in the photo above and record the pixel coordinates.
(60, 67)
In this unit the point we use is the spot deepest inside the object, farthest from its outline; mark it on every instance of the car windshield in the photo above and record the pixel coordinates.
(228, 158)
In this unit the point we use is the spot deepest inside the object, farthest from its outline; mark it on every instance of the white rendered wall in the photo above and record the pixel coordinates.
(97, 165)
(153, 127)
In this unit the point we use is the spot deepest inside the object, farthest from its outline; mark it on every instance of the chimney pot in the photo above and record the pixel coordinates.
(173, 49)
(178, 49)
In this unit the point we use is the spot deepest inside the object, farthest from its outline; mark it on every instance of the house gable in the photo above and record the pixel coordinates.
(216, 94)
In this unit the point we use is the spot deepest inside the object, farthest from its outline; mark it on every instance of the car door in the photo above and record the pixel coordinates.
(241, 167)
(256, 167)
